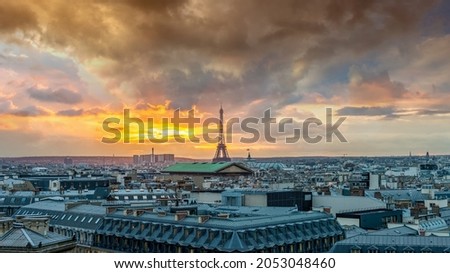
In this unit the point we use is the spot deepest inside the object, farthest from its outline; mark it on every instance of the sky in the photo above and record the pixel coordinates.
(66, 69)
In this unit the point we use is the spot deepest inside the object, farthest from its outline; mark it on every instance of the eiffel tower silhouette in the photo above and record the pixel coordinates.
(221, 154)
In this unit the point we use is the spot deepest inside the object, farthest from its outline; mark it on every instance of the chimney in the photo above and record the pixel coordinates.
(421, 232)
(138, 212)
(203, 219)
(69, 206)
(378, 195)
(161, 213)
(110, 210)
(37, 224)
(127, 212)
(5, 225)
(223, 215)
(180, 215)
(327, 210)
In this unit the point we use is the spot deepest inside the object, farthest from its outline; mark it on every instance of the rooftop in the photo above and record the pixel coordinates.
(19, 238)
(389, 243)
(204, 167)
(397, 231)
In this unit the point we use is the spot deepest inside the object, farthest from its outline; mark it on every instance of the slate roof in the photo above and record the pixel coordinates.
(82, 216)
(203, 167)
(233, 234)
(384, 243)
(266, 165)
(21, 237)
(352, 231)
(397, 231)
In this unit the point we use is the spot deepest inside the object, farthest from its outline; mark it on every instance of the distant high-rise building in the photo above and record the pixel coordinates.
(68, 161)
(153, 158)
(136, 159)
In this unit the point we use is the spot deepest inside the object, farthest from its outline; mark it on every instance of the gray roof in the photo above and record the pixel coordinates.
(223, 234)
(251, 210)
(265, 165)
(352, 231)
(82, 216)
(88, 209)
(20, 237)
(232, 223)
(52, 205)
(384, 243)
(397, 231)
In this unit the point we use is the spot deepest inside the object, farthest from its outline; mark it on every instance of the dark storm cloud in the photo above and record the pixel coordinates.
(70, 112)
(432, 112)
(60, 95)
(15, 16)
(390, 112)
(80, 112)
(200, 53)
(366, 111)
(370, 86)
(30, 111)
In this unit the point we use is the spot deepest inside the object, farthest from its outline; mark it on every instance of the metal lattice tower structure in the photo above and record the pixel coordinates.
(221, 151)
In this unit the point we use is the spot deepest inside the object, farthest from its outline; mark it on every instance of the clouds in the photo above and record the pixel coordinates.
(365, 111)
(60, 95)
(191, 52)
(70, 112)
(7, 107)
(392, 112)
(31, 111)
(368, 59)
(370, 87)
(16, 17)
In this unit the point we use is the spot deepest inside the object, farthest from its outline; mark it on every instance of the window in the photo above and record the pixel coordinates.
(90, 219)
(356, 249)
(76, 218)
(70, 217)
(125, 197)
(426, 250)
(144, 197)
(390, 250)
(84, 218)
(135, 197)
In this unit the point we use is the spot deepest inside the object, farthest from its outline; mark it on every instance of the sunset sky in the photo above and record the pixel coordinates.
(66, 66)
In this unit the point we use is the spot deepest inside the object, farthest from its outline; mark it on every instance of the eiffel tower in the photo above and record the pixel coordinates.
(221, 151)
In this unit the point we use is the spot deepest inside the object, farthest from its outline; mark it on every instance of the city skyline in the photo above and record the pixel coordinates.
(383, 66)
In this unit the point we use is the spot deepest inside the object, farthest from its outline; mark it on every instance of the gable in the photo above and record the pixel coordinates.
(234, 169)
